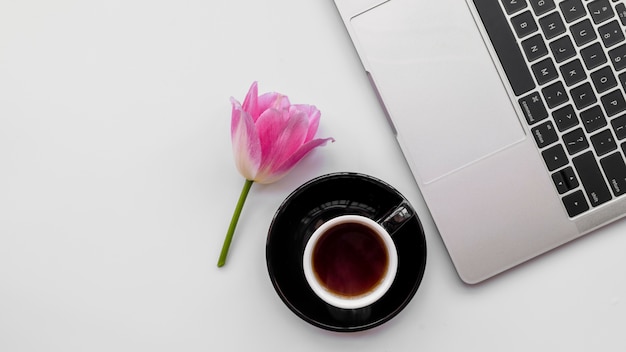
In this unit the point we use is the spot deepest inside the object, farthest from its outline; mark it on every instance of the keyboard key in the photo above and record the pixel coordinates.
(600, 11)
(552, 25)
(534, 47)
(575, 203)
(613, 102)
(615, 170)
(559, 182)
(512, 6)
(545, 71)
(524, 24)
(593, 56)
(506, 47)
(621, 13)
(565, 180)
(619, 127)
(555, 157)
(575, 141)
(562, 49)
(545, 134)
(603, 79)
(533, 107)
(555, 94)
(603, 142)
(572, 10)
(591, 178)
(565, 118)
(583, 95)
(570, 177)
(593, 119)
(618, 57)
(583, 32)
(611, 34)
(542, 6)
(622, 79)
(573, 72)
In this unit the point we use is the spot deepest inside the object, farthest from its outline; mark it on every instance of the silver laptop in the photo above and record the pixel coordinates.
(510, 113)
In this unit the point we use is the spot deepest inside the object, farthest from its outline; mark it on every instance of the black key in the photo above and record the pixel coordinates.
(565, 118)
(583, 32)
(613, 102)
(611, 34)
(593, 119)
(545, 71)
(575, 203)
(575, 141)
(618, 57)
(533, 107)
(622, 79)
(573, 72)
(534, 47)
(619, 127)
(603, 142)
(559, 182)
(593, 56)
(565, 180)
(512, 6)
(570, 177)
(572, 10)
(555, 94)
(583, 95)
(591, 178)
(545, 134)
(554, 157)
(506, 47)
(600, 11)
(542, 6)
(621, 12)
(524, 24)
(615, 170)
(552, 25)
(562, 49)
(603, 79)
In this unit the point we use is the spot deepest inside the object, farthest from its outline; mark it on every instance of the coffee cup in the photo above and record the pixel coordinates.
(351, 261)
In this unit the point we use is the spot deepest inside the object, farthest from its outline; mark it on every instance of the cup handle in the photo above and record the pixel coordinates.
(396, 217)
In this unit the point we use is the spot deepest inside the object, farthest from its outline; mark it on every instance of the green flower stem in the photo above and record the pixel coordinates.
(233, 222)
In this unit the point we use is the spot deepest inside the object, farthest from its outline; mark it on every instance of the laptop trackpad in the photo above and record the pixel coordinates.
(438, 82)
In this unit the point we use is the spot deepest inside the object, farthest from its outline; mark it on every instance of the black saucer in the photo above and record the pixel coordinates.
(314, 203)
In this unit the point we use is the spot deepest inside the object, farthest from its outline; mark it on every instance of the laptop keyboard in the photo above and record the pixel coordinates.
(566, 62)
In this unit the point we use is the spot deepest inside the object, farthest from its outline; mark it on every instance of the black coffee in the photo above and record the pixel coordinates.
(350, 259)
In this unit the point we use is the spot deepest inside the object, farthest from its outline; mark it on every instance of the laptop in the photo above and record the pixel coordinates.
(510, 113)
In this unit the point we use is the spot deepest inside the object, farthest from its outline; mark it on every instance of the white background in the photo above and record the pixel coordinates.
(117, 185)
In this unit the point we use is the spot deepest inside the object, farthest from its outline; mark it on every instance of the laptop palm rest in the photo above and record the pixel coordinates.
(438, 83)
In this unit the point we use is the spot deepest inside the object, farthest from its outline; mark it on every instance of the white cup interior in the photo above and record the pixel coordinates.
(359, 301)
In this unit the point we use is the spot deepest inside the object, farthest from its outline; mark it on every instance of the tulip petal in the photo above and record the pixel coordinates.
(273, 101)
(283, 138)
(314, 119)
(270, 125)
(288, 164)
(294, 134)
(250, 103)
(245, 142)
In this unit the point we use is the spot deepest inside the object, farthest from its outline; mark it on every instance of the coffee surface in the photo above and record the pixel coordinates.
(350, 259)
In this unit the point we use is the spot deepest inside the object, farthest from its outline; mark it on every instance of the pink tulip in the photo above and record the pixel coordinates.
(269, 137)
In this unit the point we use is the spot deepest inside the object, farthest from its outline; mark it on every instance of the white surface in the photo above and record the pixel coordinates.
(117, 186)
